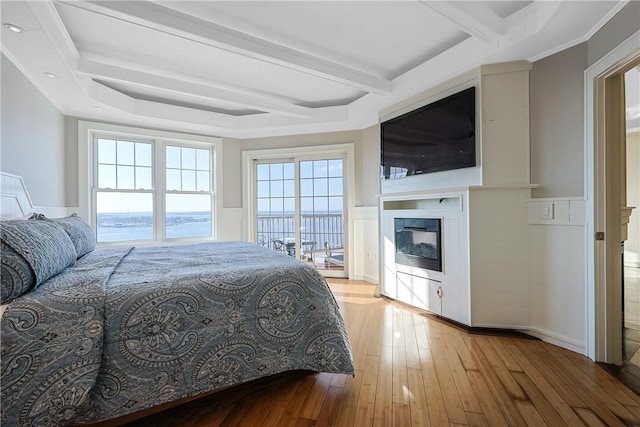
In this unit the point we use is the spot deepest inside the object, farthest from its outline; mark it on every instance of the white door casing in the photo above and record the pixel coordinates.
(603, 296)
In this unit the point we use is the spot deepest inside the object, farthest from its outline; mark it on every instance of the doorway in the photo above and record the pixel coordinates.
(298, 205)
(300, 210)
(606, 192)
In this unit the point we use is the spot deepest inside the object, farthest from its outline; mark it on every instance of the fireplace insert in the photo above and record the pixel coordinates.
(418, 242)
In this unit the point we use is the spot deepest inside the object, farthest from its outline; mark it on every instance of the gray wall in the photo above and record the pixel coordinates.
(231, 173)
(32, 141)
(557, 107)
(71, 175)
(618, 29)
(366, 153)
(556, 124)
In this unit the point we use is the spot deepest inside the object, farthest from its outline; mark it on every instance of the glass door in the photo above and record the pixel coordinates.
(322, 228)
(300, 211)
(276, 206)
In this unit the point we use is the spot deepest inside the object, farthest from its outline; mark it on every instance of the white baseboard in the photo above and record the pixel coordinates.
(560, 341)
(546, 336)
(371, 279)
(365, 277)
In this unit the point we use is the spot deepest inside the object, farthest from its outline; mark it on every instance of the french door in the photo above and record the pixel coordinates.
(300, 210)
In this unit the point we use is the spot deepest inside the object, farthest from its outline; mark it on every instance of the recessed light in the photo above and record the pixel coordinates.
(98, 108)
(13, 28)
(50, 75)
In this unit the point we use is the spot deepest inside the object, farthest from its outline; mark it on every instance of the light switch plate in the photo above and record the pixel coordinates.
(546, 211)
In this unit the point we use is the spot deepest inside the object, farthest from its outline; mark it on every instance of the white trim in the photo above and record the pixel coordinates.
(365, 213)
(585, 37)
(346, 149)
(15, 202)
(14, 198)
(86, 132)
(559, 340)
(598, 347)
(370, 279)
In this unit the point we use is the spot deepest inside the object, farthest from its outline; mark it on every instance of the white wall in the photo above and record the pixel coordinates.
(557, 280)
(365, 215)
(33, 138)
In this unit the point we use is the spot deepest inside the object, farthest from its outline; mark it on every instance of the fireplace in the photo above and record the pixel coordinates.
(418, 242)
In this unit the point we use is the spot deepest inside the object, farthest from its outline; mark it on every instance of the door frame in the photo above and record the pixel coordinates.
(603, 296)
(345, 150)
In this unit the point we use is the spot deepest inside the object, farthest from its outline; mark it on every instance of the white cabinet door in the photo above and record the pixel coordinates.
(419, 291)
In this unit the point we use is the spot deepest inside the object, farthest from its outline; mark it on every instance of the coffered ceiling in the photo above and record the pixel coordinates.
(260, 68)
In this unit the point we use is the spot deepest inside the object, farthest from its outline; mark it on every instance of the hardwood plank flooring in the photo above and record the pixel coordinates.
(413, 370)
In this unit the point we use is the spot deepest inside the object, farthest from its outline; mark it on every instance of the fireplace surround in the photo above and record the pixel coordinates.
(485, 235)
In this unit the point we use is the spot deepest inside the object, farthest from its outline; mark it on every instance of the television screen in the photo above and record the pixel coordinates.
(437, 137)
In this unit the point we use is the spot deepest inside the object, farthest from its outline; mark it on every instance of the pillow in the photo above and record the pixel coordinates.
(17, 275)
(79, 231)
(45, 248)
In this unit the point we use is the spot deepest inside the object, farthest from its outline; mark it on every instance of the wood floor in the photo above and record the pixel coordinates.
(416, 371)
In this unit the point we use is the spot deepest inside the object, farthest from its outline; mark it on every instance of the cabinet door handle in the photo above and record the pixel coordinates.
(439, 292)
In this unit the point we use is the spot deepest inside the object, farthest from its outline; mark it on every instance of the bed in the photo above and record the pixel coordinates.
(119, 330)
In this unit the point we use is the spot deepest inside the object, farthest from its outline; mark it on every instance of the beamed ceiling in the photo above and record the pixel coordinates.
(248, 69)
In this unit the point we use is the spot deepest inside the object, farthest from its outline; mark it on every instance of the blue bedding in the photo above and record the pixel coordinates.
(126, 329)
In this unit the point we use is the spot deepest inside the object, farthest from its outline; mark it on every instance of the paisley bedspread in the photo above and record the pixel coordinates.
(127, 329)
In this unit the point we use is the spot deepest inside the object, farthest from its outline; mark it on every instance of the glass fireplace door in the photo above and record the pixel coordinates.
(418, 242)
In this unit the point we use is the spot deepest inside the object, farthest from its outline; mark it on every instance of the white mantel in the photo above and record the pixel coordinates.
(485, 277)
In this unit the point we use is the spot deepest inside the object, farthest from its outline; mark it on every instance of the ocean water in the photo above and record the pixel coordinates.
(114, 227)
(133, 226)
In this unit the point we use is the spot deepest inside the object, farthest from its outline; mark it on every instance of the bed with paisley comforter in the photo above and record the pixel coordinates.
(119, 330)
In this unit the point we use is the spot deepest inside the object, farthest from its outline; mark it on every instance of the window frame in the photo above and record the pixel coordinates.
(88, 134)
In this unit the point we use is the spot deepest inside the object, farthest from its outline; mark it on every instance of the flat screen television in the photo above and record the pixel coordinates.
(437, 137)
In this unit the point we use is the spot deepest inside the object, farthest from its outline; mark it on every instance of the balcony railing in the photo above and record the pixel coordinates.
(318, 228)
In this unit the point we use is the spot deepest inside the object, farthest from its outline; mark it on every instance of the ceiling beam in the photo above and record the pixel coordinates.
(140, 107)
(179, 114)
(172, 22)
(474, 19)
(205, 92)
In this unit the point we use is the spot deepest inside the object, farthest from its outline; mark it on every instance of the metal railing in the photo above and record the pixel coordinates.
(327, 228)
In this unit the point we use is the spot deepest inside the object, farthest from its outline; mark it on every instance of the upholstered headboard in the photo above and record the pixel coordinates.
(14, 199)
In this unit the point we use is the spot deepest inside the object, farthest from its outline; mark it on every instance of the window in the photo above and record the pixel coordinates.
(188, 197)
(124, 196)
(149, 189)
